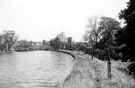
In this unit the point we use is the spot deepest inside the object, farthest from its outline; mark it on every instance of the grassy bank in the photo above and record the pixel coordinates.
(89, 73)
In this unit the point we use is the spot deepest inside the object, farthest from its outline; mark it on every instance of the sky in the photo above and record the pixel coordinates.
(44, 19)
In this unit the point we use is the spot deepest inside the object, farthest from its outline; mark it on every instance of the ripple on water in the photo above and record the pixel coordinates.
(38, 69)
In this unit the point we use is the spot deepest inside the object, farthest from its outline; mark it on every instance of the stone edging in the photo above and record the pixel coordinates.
(62, 51)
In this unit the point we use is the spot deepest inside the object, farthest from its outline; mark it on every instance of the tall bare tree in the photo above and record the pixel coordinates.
(92, 34)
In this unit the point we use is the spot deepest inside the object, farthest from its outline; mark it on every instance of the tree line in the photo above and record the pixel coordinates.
(9, 42)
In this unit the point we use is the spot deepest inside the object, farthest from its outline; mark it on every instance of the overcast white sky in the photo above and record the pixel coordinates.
(44, 19)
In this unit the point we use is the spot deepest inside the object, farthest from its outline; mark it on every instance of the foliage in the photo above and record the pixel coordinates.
(7, 40)
(23, 45)
(55, 43)
(61, 42)
(126, 36)
(93, 35)
(101, 36)
(109, 28)
(80, 46)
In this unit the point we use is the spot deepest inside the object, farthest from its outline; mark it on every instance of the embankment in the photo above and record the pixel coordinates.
(88, 73)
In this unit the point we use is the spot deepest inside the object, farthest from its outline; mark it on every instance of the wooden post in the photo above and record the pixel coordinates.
(108, 57)
(92, 53)
(6, 47)
(109, 67)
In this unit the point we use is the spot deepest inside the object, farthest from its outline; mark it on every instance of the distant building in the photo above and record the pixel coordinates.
(69, 40)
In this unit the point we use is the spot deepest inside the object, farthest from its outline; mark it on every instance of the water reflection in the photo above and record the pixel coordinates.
(35, 69)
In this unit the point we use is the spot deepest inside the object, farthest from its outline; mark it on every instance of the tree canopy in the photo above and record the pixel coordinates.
(7, 40)
(126, 36)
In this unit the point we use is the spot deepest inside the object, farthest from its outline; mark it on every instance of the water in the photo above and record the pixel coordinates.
(36, 69)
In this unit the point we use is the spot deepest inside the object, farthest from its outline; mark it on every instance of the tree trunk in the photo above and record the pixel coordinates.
(6, 47)
(108, 59)
(109, 68)
(92, 54)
